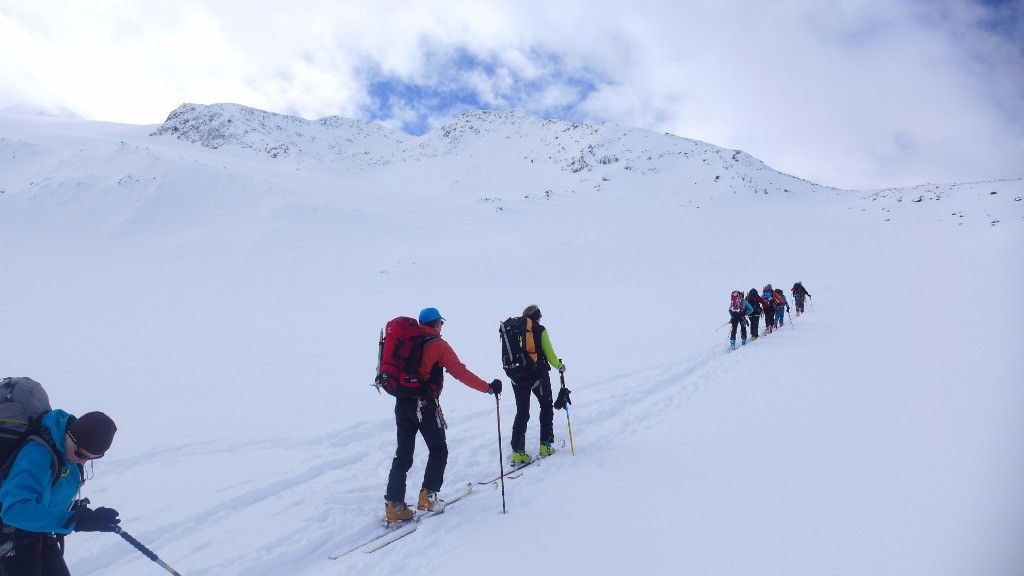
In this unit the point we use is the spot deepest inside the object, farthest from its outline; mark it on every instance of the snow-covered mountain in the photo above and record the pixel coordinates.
(496, 140)
(276, 135)
(217, 284)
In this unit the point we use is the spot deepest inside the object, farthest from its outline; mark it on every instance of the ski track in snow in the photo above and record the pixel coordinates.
(328, 485)
(266, 257)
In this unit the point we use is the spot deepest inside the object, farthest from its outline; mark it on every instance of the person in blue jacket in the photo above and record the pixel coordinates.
(781, 309)
(38, 507)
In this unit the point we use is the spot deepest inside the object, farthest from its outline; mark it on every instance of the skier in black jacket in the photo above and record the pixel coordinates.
(757, 303)
(799, 292)
(769, 309)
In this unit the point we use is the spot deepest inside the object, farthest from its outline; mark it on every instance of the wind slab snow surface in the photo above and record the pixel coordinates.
(217, 285)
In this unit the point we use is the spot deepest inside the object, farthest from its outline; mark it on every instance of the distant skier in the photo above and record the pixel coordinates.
(757, 304)
(799, 293)
(769, 309)
(739, 309)
(781, 307)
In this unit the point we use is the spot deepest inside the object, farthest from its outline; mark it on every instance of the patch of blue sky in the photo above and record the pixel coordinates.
(1004, 18)
(456, 81)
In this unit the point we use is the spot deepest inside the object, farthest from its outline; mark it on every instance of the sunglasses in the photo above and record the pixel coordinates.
(78, 451)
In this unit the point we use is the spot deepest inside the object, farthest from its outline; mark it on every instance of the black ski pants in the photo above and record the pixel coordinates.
(35, 554)
(538, 385)
(754, 320)
(737, 320)
(414, 415)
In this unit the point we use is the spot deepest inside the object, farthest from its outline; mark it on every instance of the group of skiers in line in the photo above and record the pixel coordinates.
(771, 303)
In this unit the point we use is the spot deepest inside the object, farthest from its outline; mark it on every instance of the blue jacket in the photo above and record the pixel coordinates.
(27, 499)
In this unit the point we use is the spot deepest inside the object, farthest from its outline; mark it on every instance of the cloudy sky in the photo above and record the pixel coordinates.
(849, 93)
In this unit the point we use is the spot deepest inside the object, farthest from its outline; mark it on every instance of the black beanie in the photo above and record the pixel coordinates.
(93, 432)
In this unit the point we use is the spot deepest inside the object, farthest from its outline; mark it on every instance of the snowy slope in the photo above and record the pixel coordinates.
(217, 283)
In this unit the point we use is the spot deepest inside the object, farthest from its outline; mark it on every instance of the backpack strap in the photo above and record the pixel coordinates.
(532, 340)
(435, 380)
(44, 438)
(52, 448)
(423, 346)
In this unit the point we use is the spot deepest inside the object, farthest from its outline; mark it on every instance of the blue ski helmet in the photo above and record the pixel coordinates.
(429, 315)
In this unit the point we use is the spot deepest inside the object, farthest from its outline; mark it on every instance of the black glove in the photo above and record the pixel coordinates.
(563, 398)
(494, 387)
(101, 519)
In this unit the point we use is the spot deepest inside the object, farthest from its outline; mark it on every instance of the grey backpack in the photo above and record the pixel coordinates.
(23, 403)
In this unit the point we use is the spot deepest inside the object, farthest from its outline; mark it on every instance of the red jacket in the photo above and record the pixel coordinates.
(439, 352)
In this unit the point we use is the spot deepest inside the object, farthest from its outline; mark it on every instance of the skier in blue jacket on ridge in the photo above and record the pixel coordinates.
(36, 512)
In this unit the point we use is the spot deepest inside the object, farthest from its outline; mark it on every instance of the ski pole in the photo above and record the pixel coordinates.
(501, 462)
(572, 447)
(145, 551)
(722, 326)
(790, 320)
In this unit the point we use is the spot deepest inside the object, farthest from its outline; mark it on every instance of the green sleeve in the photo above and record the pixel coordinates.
(549, 352)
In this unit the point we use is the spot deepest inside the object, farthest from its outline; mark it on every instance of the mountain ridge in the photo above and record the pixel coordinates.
(500, 159)
(511, 136)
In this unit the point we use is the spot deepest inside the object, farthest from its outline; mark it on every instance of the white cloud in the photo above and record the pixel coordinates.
(849, 93)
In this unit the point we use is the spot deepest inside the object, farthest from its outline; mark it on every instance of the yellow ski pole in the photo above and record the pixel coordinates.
(568, 421)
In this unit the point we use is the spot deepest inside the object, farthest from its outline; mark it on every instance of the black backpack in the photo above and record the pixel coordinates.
(23, 403)
(518, 347)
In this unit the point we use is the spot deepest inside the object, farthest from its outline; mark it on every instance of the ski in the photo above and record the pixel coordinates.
(410, 528)
(512, 472)
(397, 534)
(388, 534)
